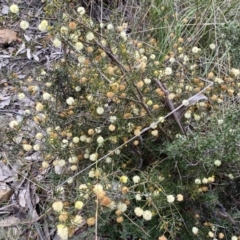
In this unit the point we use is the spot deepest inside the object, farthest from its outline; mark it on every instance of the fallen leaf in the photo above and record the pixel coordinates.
(22, 198)
(5, 9)
(4, 101)
(5, 173)
(22, 47)
(28, 39)
(8, 36)
(29, 55)
(5, 192)
(36, 58)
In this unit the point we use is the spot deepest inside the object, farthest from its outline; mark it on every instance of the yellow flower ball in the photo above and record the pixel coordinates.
(27, 147)
(79, 205)
(39, 107)
(63, 217)
(14, 8)
(119, 219)
(62, 231)
(24, 25)
(111, 127)
(45, 164)
(77, 220)
(124, 179)
(91, 221)
(57, 206)
(13, 124)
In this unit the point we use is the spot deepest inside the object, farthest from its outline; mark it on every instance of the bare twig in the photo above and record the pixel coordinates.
(170, 105)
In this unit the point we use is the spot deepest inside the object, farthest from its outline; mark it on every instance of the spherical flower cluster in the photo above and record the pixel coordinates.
(100, 110)
(57, 206)
(77, 220)
(180, 197)
(172, 60)
(212, 46)
(57, 43)
(147, 81)
(234, 72)
(13, 124)
(204, 180)
(138, 211)
(73, 37)
(138, 197)
(91, 173)
(112, 119)
(198, 181)
(136, 179)
(89, 36)
(79, 46)
(217, 163)
(161, 119)
(73, 168)
(39, 107)
(168, 71)
(62, 231)
(195, 230)
(154, 133)
(91, 221)
(14, 8)
(195, 50)
(63, 216)
(122, 206)
(98, 188)
(210, 234)
(81, 11)
(93, 157)
(111, 127)
(196, 117)
(162, 238)
(43, 26)
(123, 35)
(36, 147)
(221, 235)
(45, 164)
(76, 140)
(39, 136)
(79, 205)
(185, 102)
(73, 159)
(64, 30)
(100, 140)
(77, 88)
(170, 198)
(147, 215)
(110, 26)
(119, 219)
(46, 96)
(124, 179)
(230, 176)
(153, 125)
(27, 147)
(24, 25)
(108, 160)
(70, 101)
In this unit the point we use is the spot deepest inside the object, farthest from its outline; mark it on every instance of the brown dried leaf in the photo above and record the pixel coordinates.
(5, 192)
(8, 36)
